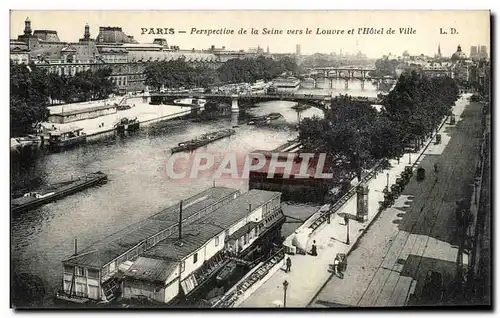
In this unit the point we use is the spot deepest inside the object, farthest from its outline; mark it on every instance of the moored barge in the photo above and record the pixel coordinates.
(163, 262)
(49, 193)
(264, 119)
(66, 138)
(203, 140)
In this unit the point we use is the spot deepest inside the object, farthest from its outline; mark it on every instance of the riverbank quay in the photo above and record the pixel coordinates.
(309, 273)
(418, 234)
(145, 113)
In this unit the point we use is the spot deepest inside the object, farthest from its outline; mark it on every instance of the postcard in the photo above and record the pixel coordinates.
(250, 159)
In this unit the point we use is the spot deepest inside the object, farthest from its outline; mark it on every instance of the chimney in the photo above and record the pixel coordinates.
(180, 220)
(76, 247)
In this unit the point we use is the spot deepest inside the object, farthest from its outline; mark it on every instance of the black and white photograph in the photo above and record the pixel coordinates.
(238, 159)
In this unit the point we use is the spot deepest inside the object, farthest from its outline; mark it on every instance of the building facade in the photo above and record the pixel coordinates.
(112, 48)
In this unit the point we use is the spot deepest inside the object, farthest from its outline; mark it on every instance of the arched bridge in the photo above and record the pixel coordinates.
(346, 73)
(319, 101)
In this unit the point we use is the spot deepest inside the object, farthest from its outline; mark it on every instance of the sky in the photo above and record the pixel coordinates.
(472, 27)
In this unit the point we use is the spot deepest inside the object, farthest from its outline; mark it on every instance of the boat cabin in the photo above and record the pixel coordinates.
(65, 134)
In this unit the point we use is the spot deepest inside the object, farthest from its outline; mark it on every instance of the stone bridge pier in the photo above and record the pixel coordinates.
(234, 104)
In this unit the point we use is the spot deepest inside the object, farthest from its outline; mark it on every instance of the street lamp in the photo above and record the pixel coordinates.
(409, 158)
(285, 286)
(475, 191)
(387, 180)
(347, 241)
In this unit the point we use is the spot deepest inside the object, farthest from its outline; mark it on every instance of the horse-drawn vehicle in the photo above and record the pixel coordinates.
(340, 264)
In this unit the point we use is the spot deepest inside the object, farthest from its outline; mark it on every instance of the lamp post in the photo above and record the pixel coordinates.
(409, 158)
(285, 286)
(475, 191)
(387, 180)
(347, 241)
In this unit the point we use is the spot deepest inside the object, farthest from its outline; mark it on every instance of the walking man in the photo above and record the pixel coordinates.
(313, 252)
(288, 264)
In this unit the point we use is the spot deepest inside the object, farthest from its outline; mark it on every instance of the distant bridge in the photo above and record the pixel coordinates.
(319, 101)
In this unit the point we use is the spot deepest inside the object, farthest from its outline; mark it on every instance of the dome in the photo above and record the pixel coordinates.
(459, 55)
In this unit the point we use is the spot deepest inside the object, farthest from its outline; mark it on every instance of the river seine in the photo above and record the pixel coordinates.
(138, 185)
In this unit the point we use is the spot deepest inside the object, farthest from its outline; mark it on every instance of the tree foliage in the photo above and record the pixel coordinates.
(178, 73)
(384, 67)
(32, 89)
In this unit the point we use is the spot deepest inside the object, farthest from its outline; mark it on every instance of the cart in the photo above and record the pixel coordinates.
(420, 174)
(340, 264)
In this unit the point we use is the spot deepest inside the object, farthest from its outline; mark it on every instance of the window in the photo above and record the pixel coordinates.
(92, 273)
(217, 241)
(68, 269)
(183, 266)
(195, 258)
(79, 271)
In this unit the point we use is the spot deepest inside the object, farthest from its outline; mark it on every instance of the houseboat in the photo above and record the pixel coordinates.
(126, 124)
(168, 262)
(203, 140)
(66, 138)
(49, 193)
(93, 274)
(204, 255)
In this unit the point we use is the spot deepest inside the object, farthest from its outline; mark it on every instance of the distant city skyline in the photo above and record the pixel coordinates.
(70, 26)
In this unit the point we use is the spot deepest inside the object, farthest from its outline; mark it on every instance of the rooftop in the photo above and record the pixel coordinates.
(83, 110)
(150, 269)
(109, 248)
(197, 234)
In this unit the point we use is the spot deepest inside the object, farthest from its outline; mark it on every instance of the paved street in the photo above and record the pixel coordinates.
(309, 273)
(417, 234)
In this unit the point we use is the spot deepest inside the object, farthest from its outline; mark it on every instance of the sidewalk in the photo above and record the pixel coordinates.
(308, 273)
(415, 235)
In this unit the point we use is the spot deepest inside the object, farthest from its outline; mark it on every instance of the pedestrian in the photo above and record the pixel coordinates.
(346, 219)
(436, 168)
(288, 264)
(314, 251)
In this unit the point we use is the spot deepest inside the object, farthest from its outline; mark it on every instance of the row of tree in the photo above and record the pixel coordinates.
(32, 89)
(354, 134)
(179, 73)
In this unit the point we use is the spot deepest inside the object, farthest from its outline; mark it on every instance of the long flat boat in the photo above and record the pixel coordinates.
(264, 119)
(66, 138)
(203, 140)
(34, 199)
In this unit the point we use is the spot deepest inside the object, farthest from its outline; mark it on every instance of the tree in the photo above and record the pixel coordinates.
(29, 98)
(352, 134)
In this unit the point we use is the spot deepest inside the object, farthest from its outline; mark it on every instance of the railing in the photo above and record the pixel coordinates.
(346, 197)
(236, 292)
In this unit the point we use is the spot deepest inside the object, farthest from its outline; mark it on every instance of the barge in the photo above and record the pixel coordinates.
(164, 262)
(49, 193)
(66, 138)
(126, 124)
(264, 119)
(192, 102)
(203, 140)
